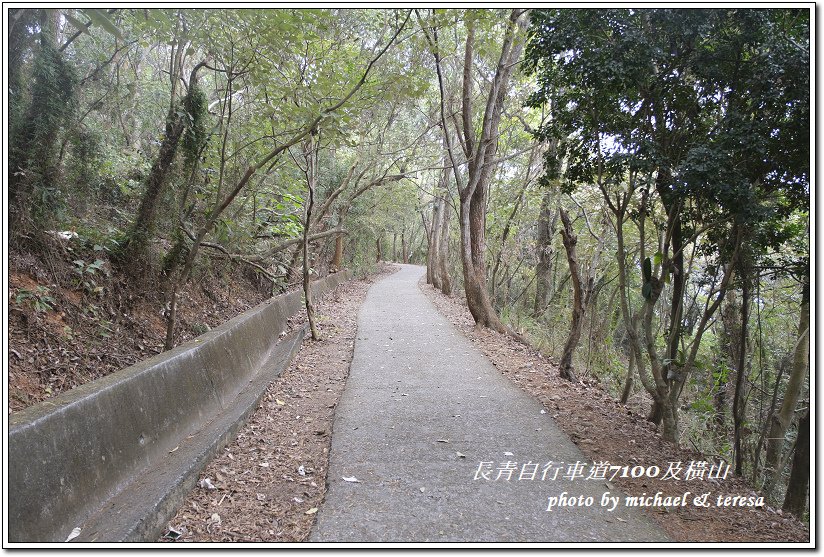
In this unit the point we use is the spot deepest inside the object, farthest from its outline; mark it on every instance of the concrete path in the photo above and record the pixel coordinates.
(418, 394)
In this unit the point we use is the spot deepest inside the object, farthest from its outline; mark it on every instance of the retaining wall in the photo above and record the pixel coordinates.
(73, 457)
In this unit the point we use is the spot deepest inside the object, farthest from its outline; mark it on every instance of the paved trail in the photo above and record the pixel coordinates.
(415, 382)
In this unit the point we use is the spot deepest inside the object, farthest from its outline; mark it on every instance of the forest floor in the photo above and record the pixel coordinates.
(67, 328)
(604, 430)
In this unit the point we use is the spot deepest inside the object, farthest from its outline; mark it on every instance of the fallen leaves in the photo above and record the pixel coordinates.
(214, 520)
(269, 503)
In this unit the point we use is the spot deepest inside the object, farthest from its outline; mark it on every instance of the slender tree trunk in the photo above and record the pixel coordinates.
(730, 342)
(295, 272)
(765, 427)
(678, 279)
(578, 308)
(582, 290)
(795, 501)
(738, 402)
(176, 258)
(633, 363)
(177, 278)
(441, 212)
(442, 271)
(395, 247)
(337, 259)
(311, 177)
(379, 256)
(404, 251)
(507, 229)
(432, 246)
(170, 313)
(656, 385)
(547, 222)
(410, 246)
(782, 419)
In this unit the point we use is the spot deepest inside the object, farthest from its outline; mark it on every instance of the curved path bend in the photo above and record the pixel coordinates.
(422, 409)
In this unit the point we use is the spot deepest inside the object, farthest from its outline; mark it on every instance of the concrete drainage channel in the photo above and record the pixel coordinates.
(115, 457)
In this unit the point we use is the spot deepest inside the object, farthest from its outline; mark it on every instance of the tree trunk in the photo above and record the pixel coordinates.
(582, 290)
(633, 362)
(578, 307)
(795, 501)
(678, 279)
(432, 246)
(801, 359)
(547, 221)
(410, 246)
(730, 342)
(294, 272)
(507, 228)
(176, 257)
(473, 221)
(379, 255)
(738, 402)
(337, 259)
(441, 211)
(629, 381)
(142, 229)
(656, 385)
(33, 164)
(404, 250)
(311, 160)
(442, 270)
(765, 425)
(669, 420)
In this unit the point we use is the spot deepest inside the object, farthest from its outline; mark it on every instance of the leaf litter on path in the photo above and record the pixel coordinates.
(284, 443)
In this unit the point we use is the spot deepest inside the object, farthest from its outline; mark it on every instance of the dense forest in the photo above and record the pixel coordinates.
(628, 190)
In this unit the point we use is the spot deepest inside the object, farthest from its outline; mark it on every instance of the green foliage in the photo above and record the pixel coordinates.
(100, 18)
(40, 299)
(88, 273)
(196, 119)
(683, 92)
(34, 152)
